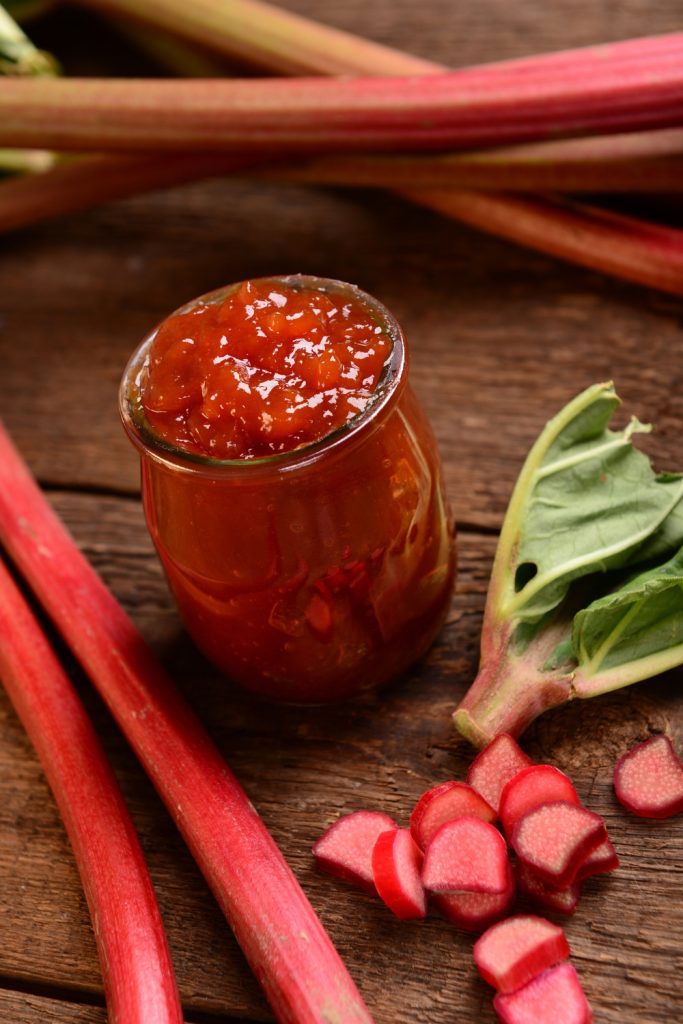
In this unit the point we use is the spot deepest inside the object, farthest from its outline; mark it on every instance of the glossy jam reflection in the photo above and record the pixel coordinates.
(263, 372)
(316, 574)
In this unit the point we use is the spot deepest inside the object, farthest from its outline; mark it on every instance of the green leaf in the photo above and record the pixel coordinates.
(563, 618)
(588, 501)
(633, 633)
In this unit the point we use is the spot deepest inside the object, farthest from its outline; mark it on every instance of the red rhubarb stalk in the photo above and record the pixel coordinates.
(283, 940)
(136, 966)
(456, 110)
(637, 250)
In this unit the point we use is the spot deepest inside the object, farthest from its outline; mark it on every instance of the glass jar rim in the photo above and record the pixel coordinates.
(386, 392)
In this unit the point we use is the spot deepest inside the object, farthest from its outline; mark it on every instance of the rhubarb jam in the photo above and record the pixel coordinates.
(266, 370)
(292, 486)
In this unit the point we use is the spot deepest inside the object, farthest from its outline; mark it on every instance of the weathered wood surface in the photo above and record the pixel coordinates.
(500, 339)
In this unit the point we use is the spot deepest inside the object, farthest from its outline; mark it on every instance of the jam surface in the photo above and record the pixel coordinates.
(267, 369)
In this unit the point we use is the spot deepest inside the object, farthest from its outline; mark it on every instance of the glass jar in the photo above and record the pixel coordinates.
(313, 575)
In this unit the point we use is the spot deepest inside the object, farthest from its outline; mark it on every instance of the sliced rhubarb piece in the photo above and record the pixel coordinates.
(648, 779)
(345, 848)
(443, 803)
(599, 861)
(564, 901)
(396, 865)
(535, 785)
(513, 952)
(495, 765)
(466, 855)
(474, 911)
(556, 995)
(555, 839)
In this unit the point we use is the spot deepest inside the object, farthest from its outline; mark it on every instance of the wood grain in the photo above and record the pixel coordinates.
(22, 1008)
(501, 337)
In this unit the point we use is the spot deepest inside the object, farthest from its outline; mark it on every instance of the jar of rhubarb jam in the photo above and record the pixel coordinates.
(292, 487)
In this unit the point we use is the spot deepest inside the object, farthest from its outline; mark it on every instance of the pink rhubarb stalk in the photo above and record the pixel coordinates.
(457, 110)
(136, 965)
(280, 41)
(283, 940)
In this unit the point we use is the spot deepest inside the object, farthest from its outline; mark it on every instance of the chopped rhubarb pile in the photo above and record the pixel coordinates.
(469, 876)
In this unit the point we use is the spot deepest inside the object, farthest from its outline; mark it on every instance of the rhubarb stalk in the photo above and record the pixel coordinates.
(136, 966)
(635, 162)
(649, 162)
(456, 110)
(283, 940)
(627, 247)
(81, 182)
(278, 40)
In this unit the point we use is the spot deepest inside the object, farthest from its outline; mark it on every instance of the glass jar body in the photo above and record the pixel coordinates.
(313, 585)
(315, 576)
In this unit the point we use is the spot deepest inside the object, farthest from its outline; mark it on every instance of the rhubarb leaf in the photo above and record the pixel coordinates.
(565, 615)
(585, 501)
(631, 634)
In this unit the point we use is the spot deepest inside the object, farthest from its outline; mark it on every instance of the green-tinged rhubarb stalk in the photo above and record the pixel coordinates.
(18, 55)
(565, 616)
(279, 40)
(645, 162)
(136, 965)
(456, 110)
(650, 162)
(79, 183)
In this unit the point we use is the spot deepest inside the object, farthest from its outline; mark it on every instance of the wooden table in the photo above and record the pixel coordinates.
(501, 338)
